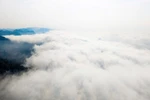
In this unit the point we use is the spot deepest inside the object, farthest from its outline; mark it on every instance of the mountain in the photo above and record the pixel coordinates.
(3, 38)
(15, 51)
(10, 67)
(13, 55)
(23, 31)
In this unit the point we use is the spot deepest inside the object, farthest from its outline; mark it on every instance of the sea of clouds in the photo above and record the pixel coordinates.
(65, 66)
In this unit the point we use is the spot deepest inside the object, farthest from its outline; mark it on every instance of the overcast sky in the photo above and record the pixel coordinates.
(95, 15)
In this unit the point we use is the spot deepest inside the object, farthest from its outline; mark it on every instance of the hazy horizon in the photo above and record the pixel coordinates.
(72, 15)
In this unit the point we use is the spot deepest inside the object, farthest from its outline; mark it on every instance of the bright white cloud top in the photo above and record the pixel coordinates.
(68, 67)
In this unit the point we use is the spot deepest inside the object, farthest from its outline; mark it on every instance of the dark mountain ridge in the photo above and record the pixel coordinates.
(23, 31)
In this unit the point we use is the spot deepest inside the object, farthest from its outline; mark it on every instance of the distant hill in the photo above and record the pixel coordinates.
(22, 31)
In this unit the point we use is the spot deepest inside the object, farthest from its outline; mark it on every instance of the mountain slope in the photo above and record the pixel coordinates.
(13, 55)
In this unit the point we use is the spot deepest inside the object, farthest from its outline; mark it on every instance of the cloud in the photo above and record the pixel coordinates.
(69, 67)
(113, 65)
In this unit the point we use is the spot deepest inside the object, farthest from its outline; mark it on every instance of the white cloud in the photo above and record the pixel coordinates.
(68, 67)
(113, 65)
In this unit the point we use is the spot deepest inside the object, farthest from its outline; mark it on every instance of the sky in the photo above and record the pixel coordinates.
(82, 15)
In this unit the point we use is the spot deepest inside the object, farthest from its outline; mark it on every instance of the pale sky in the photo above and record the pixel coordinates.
(95, 15)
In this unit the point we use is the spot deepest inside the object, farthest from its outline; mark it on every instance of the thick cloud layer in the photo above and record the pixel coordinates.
(68, 67)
